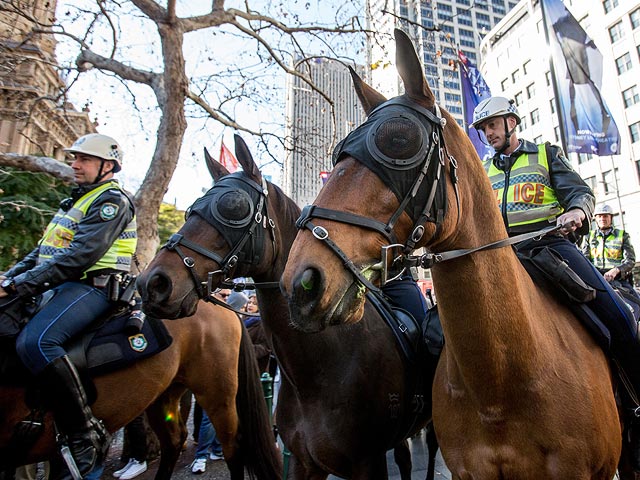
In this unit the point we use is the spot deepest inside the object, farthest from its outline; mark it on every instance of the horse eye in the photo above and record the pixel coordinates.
(233, 206)
(398, 138)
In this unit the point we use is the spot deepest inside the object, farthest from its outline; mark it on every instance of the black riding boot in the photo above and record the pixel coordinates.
(85, 435)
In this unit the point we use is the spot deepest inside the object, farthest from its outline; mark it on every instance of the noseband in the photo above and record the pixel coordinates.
(245, 232)
(428, 205)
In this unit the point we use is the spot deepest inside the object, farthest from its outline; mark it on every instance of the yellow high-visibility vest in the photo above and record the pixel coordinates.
(530, 198)
(60, 232)
(606, 250)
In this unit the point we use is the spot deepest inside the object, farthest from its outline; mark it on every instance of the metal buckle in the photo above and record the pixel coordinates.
(386, 261)
(320, 233)
(189, 262)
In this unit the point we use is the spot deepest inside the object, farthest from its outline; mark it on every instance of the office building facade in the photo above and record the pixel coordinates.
(35, 117)
(515, 63)
(314, 126)
(439, 28)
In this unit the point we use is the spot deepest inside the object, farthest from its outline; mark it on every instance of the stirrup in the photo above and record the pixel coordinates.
(65, 451)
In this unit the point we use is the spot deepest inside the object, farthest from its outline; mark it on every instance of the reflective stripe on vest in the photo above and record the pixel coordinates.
(530, 196)
(606, 251)
(60, 232)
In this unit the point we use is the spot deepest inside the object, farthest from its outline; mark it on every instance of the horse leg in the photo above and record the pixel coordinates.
(432, 447)
(298, 471)
(169, 426)
(372, 468)
(402, 456)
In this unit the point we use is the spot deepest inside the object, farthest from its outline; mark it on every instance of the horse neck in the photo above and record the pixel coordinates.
(485, 301)
(273, 306)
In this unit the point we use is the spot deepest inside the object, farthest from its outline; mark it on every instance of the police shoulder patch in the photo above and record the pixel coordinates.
(108, 211)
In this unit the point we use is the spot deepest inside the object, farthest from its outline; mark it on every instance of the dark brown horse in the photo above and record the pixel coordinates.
(346, 396)
(522, 391)
(211, 355)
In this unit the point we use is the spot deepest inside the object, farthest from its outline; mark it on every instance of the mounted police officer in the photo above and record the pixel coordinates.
(610, 249)
(535, 186)
(85, 249)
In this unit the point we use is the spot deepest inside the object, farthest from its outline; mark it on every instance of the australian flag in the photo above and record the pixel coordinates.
(577, 68)
(474, 90)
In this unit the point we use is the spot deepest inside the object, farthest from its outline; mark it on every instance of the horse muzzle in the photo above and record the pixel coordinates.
(314, 305)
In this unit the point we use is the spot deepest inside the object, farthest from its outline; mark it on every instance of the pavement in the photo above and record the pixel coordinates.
(218, 470)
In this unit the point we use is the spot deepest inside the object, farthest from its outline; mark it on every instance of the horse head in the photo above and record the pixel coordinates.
(395, 183)
(226, 231)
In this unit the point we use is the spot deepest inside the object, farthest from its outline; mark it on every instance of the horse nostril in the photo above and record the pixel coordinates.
(307, 279)
(158, 287)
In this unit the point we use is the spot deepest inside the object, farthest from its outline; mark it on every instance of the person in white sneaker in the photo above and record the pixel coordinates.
(136, 445)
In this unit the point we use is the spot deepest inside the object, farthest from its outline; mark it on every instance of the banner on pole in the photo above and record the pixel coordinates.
(588, 126)
(474, 90)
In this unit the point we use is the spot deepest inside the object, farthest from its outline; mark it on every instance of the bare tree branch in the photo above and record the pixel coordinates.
(31, 163)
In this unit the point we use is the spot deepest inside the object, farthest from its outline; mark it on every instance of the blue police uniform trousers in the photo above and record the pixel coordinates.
(72, 309)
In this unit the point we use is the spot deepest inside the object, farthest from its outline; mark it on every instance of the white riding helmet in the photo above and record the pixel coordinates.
(494, 107)
(98, 145)
(603, 209)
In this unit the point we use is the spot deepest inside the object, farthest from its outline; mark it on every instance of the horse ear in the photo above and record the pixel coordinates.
(369, 97)
(216, 169)
(410, 68)
(246, 159)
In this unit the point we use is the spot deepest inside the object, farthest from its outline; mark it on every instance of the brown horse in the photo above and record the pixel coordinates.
(211, 355)
(346, 396)
(521, 390)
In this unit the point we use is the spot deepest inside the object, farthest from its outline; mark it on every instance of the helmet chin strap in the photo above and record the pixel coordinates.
(100, 174)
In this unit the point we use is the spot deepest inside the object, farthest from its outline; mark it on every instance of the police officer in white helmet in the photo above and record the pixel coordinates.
(88, 244)
(535, 186)
(610, 249)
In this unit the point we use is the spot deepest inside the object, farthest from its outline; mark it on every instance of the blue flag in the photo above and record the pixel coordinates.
(474, 90)
(577, 68)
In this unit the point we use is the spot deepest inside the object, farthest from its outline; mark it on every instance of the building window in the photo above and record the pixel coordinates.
(523, 123)
(635, 18)
(585, 157)
(531, 91)
(552, 104)
(538, 140)
(616, 32)
(609, 181)
(535, 117)
(634, 131)
(525, 66)
(518, 98)
(591, 181)
(630, 96)
(609, 5)
(623, 63)
(556, 132)
(547, 77)
(504, 84)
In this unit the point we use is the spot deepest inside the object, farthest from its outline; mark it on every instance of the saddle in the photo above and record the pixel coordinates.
(420, 363)
(118, 339)
(550, 271)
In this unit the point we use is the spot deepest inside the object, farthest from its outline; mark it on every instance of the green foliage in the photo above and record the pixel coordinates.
(28, 201)
(170, 220)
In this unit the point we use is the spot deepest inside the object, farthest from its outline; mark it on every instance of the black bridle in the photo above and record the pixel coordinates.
(432, 211)
(237, 254)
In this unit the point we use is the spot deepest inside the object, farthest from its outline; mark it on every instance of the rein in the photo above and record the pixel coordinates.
(206, 289)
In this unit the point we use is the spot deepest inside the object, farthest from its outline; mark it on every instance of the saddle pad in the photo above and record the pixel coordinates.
(112, 349)
(405, 328)
(109, 349)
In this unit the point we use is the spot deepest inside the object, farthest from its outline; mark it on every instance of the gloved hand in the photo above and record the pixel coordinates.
(611, 274)
(571, 221)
